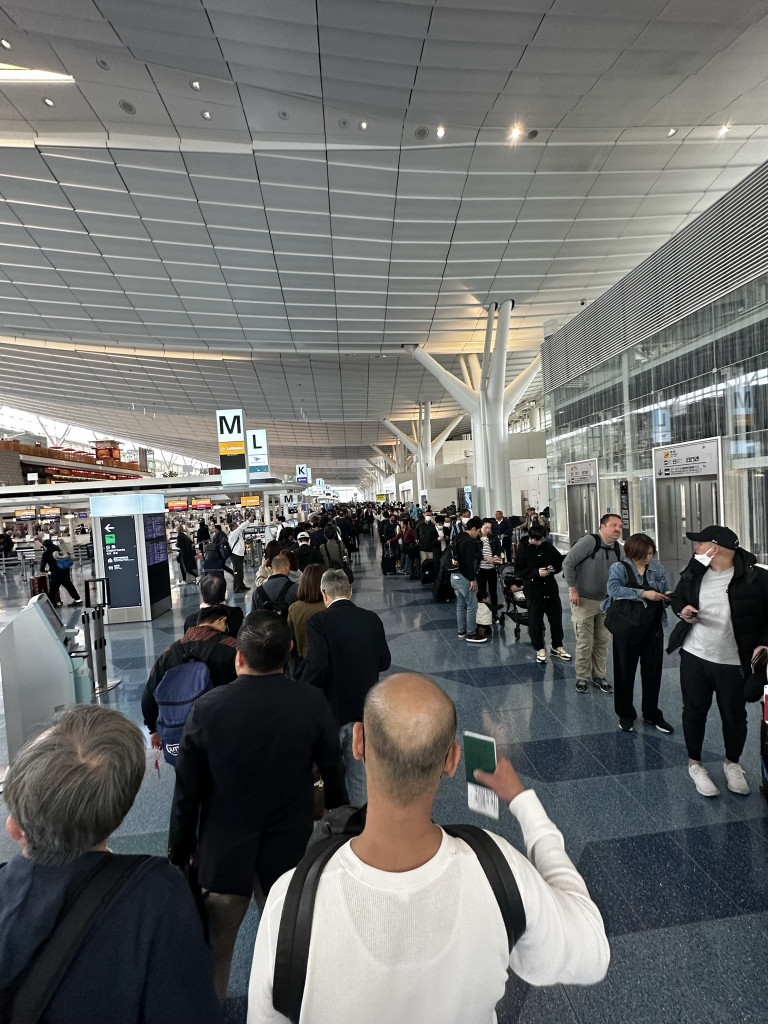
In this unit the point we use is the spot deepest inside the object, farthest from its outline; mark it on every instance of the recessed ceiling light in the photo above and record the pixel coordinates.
(515, 133)
(5, 44)
(48, 101)
(671, 132)
(283, 115)
(206, 114)
(103, 64)
(127, 107)
(194, 84)
(343, 122)
(533, 134)
(363, 126)
(724, 130)
(440, 132)
(422, 132)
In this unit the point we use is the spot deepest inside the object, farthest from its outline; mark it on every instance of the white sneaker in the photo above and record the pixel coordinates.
(561, 653)
(541, 656)
(735, 777)
(702, 781)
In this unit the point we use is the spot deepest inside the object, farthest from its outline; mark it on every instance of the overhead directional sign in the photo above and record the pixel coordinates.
(230, 430)
(258, 454)
(303, 474)
(320, 482)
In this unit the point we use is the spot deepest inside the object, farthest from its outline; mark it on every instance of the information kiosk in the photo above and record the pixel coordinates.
(43, 670)
(131, 551)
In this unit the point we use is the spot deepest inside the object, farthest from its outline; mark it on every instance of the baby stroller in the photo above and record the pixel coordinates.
(517, 606)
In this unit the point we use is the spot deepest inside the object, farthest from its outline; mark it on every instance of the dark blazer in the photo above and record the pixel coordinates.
(244, 793)
(346, 651)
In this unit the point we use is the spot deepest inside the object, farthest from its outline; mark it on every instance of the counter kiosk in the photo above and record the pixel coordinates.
(42, 668)
(131, 550)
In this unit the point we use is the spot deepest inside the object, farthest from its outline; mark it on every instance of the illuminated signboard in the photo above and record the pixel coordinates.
(25, 513)
(179, 505)
(200, 503)
(50, 512)
(250, 500)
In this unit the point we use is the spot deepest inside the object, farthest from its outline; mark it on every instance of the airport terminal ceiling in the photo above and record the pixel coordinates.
(259, 203)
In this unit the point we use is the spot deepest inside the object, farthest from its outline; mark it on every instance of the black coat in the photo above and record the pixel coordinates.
(235, 618)
(346, 651)
(426, 536)
(747, 596)
(530, 558)
(244, 780)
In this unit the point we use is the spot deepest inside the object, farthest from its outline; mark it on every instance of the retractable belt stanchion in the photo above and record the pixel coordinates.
(96, 600)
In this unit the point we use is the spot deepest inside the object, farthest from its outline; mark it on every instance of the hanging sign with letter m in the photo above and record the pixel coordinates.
(230, 431)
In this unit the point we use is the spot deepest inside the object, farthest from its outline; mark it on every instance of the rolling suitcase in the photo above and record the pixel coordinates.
(442, 590)
(38, 585)
(428, 572)
(388, 565)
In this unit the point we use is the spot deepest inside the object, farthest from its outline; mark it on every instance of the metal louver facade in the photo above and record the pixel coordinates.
(724, 248)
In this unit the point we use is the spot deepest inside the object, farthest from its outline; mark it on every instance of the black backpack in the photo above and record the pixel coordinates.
(277, 605)
(212, 552)
(225, 551)
(336, 829)
(598, 544)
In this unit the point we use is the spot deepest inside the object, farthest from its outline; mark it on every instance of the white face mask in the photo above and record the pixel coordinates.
(465, 521)
(427, 519)
(706, 558)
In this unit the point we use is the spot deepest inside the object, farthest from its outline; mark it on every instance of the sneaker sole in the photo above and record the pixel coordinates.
(739, 792)
(560, 656)
(483, 641)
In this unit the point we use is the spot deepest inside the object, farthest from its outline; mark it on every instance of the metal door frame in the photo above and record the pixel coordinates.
(720, 489)
(597, 487)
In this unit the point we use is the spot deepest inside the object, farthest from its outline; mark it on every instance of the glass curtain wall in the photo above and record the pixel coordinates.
(704, 376)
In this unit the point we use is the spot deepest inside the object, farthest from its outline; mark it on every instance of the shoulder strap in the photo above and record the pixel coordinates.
(617, 551)
(85, 905)
(286, 587)
(262, 593)
(499, 875)
(596, 538)
(630, 575)
(295, 930)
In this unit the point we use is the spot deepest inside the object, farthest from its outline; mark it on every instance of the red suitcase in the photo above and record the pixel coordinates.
(38, 585)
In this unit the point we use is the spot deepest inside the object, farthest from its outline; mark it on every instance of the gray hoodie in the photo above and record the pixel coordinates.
(590, 575)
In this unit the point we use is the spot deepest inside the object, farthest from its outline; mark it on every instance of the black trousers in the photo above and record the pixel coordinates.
(544, 601)
(700, 679)
(62, 578)
(649, 652)
(486, 584)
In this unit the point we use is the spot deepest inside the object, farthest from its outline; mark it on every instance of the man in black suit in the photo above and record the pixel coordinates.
(346, 651)
(243, 805)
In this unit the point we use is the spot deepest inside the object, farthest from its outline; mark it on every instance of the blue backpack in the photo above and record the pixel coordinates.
(178, 690)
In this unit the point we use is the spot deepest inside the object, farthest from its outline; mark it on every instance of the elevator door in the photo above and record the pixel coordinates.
(684, 504)
(583, 515)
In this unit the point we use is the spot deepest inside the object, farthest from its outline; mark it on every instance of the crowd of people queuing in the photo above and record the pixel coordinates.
(290, 723)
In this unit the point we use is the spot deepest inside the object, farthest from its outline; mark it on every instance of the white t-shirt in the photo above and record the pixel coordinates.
(429, 945)
(711, 637)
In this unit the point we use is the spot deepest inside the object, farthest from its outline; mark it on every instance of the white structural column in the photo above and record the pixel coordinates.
(484, 396)
(390, 464)
(422, 447)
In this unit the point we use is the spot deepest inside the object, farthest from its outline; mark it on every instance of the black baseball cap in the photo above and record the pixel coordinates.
(719, 535)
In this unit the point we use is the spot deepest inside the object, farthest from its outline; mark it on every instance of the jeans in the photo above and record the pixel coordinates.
(466, 603)
(592, 639)
(699, 679)
(357, 787)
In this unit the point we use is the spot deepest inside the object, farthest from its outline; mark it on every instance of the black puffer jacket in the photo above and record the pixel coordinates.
(747, 596)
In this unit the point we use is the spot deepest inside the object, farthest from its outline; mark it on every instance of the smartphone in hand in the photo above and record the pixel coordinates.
(480, 752)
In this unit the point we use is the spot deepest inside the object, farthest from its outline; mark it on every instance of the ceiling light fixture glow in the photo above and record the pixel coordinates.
(5, 44)
(194, 84)
(515, 133)
(206, 114)
(671, 132)
(9, 73)
(48, 101)
(724, 130)
(440, 132)
(363, 126)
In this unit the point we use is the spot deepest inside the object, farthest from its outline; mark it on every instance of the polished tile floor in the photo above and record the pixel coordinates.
(682, 881)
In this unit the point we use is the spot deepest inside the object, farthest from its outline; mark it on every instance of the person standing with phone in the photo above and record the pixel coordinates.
(639, 578)
(722, 601)
(538, 562)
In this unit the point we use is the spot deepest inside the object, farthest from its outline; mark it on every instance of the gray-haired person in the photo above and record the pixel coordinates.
(67, 791)
(346, 651)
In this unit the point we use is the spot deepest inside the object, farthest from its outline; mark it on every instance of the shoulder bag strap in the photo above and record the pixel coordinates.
(499, 875)
(286, 587)
(262, 593)
(295, 930)
(85, 905)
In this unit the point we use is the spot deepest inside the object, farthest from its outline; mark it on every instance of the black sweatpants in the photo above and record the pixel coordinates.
(699, 679)
(544, 601)
(649, 651)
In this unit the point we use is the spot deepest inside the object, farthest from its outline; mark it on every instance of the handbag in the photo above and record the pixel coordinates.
(64, 561)
(628, 619)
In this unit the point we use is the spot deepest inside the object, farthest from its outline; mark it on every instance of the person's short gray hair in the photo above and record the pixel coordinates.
(335, 583)
(70, 788)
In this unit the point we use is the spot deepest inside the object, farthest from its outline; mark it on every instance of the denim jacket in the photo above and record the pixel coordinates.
(617, 591)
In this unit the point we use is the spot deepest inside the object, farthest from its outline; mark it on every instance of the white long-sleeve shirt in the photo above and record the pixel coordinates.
(429, 945)
(237, 540)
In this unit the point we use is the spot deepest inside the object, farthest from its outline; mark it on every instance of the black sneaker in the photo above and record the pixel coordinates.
(660, 724)
(602, 684)
(473, 638)
(462, 632)
(625, 724)
(582, 685)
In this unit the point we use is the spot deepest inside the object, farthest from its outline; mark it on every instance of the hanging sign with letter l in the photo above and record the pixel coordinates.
(258, 454)
(230, 431)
